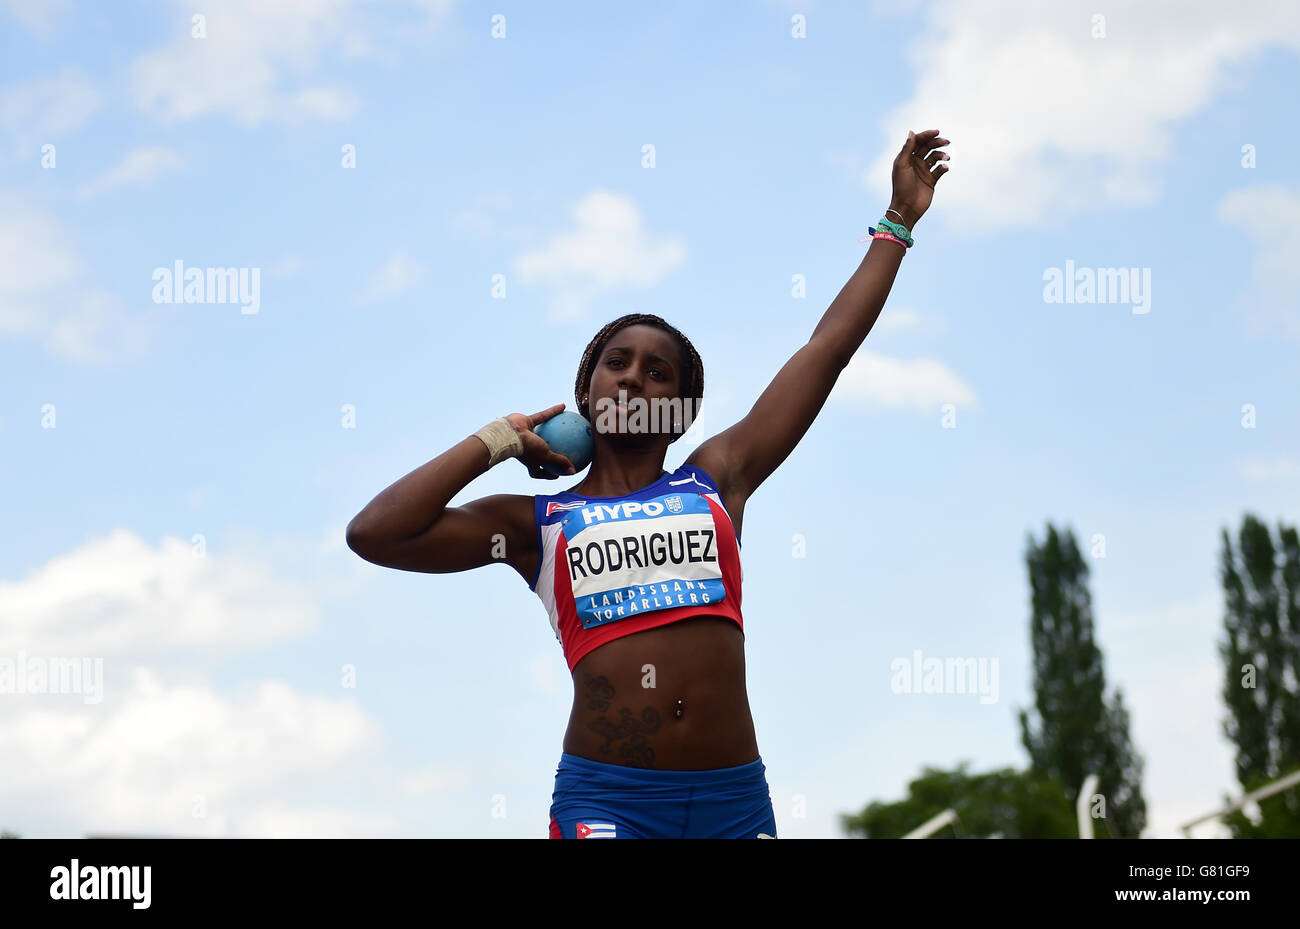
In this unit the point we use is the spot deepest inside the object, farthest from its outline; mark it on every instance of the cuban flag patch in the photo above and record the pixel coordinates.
(553, 507)
(596, 831)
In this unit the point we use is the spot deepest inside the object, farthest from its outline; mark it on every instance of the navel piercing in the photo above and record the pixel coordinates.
(680, 709)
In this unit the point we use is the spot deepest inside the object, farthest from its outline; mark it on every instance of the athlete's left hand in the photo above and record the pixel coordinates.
(915, 174)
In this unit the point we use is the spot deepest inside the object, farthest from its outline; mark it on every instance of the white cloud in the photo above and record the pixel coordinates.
(140, 166)
(258, 60)
(1270, 216)
(399, 273)
(163, 752)
(157, 752)
(435, 13)
(607, 249)
(34, 254)
(1260, 469)
(1047, 121)
(46, 109)
(37, 15)
(40, 296)
(922, 384)
(96, 331)
(117, 595)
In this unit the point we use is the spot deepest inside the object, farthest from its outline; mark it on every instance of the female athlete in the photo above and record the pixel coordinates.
(639, 568)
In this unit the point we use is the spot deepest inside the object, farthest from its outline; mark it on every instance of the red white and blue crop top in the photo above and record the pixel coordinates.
(612, 566)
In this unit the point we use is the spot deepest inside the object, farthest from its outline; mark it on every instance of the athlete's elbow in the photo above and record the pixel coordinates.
(358, 538)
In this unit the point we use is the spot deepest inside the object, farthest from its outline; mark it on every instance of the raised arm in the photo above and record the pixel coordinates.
(410, 527)
(748, 452)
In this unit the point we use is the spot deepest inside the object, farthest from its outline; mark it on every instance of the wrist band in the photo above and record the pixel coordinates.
(896, 213)
(501, 440)
(897, 229)
(874, 233)
(879, 231)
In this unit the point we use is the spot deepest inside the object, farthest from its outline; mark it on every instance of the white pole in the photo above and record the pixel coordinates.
(1266, 791)
(932, 825)
(1081, 806)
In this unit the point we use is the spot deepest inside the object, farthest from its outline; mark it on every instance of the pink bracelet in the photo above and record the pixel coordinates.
(892, 238)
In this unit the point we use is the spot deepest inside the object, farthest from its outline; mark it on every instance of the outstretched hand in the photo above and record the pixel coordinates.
(915, 174)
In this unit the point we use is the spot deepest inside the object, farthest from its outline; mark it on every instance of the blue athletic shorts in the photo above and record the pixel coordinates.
(595, 800)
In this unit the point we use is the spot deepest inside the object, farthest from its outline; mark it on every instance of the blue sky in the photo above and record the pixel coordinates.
(177, 477)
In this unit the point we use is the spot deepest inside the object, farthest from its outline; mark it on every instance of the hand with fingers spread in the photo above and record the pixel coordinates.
(536, 451)
(915, 174)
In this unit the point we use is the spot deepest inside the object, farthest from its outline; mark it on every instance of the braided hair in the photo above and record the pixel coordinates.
(692, 378)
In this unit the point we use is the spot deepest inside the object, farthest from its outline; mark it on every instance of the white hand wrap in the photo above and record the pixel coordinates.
(501, 440)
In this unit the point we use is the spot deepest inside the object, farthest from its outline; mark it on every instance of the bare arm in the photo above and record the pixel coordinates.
(753, 448)
(394, 529)
(409, 525)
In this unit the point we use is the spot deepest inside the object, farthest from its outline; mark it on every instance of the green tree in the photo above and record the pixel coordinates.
(1014, 804)
(1261, 654)
(1077, 732)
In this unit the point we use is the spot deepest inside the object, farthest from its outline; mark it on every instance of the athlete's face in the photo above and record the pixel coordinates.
(644, 363)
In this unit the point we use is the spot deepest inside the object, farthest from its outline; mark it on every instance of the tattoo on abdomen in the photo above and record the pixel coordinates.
(637, 748)
(599, 692)
(629, 730)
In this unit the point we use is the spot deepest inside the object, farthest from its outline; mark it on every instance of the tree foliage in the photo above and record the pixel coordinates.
(1075, 731)
(1012, 804)
(1261, 654)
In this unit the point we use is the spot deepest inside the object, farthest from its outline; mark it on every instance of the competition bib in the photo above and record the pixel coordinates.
(636, 556)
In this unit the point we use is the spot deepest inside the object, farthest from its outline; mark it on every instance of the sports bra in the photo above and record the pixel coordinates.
(612, 566)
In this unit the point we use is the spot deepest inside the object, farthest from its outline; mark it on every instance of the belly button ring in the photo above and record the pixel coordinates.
(680, 708)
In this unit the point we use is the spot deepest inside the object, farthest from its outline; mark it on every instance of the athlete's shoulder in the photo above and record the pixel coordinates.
(709, 466)
(692, 477)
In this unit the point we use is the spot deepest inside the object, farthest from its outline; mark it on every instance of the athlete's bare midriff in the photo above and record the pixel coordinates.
(695, 717)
